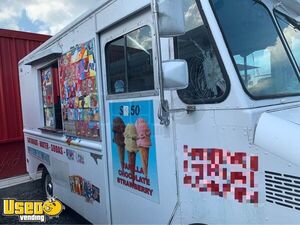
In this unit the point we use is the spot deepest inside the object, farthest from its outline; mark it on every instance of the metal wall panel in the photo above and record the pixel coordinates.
(14, 46)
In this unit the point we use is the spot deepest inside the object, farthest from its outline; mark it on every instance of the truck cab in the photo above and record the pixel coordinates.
(197, 127)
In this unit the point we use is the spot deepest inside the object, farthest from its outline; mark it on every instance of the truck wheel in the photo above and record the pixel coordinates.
(47, 184)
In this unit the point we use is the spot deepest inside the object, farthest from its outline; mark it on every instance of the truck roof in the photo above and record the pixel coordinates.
(80, 19)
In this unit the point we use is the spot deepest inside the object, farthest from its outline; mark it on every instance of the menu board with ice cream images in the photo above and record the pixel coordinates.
(133, 148)
(80, 102)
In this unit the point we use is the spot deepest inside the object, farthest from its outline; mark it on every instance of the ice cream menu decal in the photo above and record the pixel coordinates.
(77, 74)
(133, 148)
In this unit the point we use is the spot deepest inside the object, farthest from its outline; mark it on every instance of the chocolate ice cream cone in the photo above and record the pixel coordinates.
(131, 158)
(145, 156)
(121, 151)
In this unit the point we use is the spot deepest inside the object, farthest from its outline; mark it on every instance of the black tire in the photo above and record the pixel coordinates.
(47, 185)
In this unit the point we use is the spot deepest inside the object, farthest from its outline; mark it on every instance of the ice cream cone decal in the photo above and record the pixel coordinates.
(145, 157)
(131, 158)
(131, 146)
(118, 129)
(121, 151)
(143, 142)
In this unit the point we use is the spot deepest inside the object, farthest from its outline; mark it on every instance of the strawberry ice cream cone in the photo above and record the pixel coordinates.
(143, 142)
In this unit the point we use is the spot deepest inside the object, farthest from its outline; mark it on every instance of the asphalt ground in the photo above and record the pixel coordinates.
(33, 191)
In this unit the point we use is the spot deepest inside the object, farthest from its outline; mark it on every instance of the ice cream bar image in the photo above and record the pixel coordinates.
(130, 145)
(143, 142)
(119, 129)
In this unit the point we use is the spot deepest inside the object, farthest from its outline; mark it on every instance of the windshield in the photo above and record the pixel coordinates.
(291, 33)
(262, 63)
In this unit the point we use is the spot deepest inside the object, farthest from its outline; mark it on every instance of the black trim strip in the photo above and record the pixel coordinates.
(274, 198)
(278, 203)
(284, 188)
(293, 194)
(291, 202)
(290, 176)
(273, 173)
(273, 181)
(291, 185)
(283, 196)
(283, 179)
(272, 189)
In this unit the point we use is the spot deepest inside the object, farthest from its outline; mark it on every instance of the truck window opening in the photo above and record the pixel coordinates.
(207, 83)
(291, 34)
(129, 62)
(51, 97)
(262, 62)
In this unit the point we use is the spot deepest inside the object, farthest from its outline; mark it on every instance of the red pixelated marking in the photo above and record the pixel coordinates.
(239, 158)
(252, 179)
(254, 163)
(187, 180)
(222, 173)
(239, 193)
(197, 153)
(254, 198)
(185, 165)
(237, 176)
(226, 187)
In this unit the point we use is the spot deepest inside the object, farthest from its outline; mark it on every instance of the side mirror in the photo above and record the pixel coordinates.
(175, 74)
(171, 18)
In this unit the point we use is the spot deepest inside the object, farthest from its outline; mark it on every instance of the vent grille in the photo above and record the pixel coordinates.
(283, 189)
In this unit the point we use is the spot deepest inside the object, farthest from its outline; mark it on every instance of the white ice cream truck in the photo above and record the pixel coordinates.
(169, 112)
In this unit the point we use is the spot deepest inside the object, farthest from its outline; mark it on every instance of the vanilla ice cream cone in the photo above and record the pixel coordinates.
(131, 159)
(145, 156)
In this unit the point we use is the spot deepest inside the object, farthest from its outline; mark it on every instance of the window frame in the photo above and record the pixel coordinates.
(287, 44)
(44, 128)
(266, 97)
(138, 94)
(218, 56)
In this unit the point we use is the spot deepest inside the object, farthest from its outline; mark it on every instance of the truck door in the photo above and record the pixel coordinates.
(197, 135)
(141, 157)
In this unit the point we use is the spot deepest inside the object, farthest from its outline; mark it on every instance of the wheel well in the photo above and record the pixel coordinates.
(42, 168)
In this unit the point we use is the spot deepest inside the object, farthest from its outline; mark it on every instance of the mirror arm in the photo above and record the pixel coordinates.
(163, 113)
(189, 109)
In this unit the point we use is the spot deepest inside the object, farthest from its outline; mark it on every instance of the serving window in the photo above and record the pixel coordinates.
(129, 62)
(51, 98)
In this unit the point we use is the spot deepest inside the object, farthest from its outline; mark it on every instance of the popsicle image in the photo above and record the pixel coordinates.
(119, 129)
(143, 142)
(131, 146)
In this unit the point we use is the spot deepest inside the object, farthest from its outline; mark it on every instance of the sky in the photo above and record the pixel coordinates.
(41, 16)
